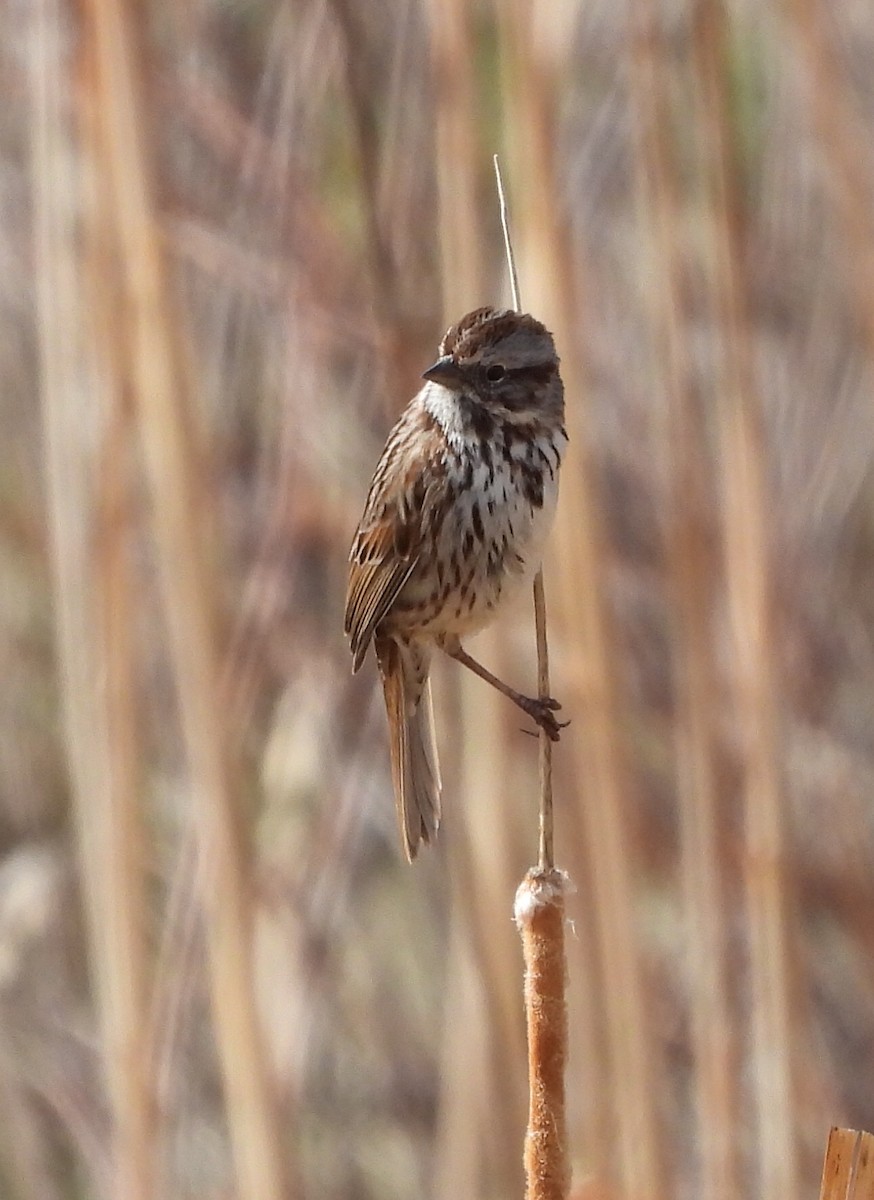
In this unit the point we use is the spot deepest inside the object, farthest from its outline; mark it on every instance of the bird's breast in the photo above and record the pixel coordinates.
(483, 535)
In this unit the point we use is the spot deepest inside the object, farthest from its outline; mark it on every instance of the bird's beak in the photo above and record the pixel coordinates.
(446, 371)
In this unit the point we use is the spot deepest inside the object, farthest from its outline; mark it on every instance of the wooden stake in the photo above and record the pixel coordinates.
(848, 1170)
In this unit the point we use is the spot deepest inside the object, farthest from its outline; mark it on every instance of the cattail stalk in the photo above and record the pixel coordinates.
(539, 912)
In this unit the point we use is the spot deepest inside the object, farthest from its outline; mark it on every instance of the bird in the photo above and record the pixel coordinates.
(455, 521)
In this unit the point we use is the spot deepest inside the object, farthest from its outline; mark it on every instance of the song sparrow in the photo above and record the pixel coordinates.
(455, 520)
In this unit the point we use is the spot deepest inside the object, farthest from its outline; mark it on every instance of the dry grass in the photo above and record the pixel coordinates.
(232, 235)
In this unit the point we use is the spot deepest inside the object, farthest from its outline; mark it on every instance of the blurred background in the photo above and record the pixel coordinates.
(233, 233)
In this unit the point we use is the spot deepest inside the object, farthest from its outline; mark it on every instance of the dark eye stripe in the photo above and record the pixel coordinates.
(537, 374)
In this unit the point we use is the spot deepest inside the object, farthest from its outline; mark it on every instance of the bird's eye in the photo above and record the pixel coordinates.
(496, 373)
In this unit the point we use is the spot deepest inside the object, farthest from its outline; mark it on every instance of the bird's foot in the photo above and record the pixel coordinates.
(543, 713)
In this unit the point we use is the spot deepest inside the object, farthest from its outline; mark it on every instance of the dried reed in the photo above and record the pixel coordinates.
(481, 870)
(94, 605)
(160, 382)
(292, 158)
(531, 75)
(691, 561)
(126, 848)
(769, 884)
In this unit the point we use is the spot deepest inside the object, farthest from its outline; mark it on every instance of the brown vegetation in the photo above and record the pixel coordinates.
(232, 236)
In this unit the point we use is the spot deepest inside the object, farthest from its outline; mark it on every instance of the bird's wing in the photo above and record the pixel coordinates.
(387, 546)
(377, 572)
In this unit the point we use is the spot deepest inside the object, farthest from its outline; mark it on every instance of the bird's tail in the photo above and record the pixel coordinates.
(415, 770)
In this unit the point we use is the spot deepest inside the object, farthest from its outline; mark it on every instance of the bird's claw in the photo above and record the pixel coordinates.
(543, 713)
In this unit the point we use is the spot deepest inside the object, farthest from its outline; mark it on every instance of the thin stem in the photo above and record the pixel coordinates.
(546, 852)
(508, 242)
